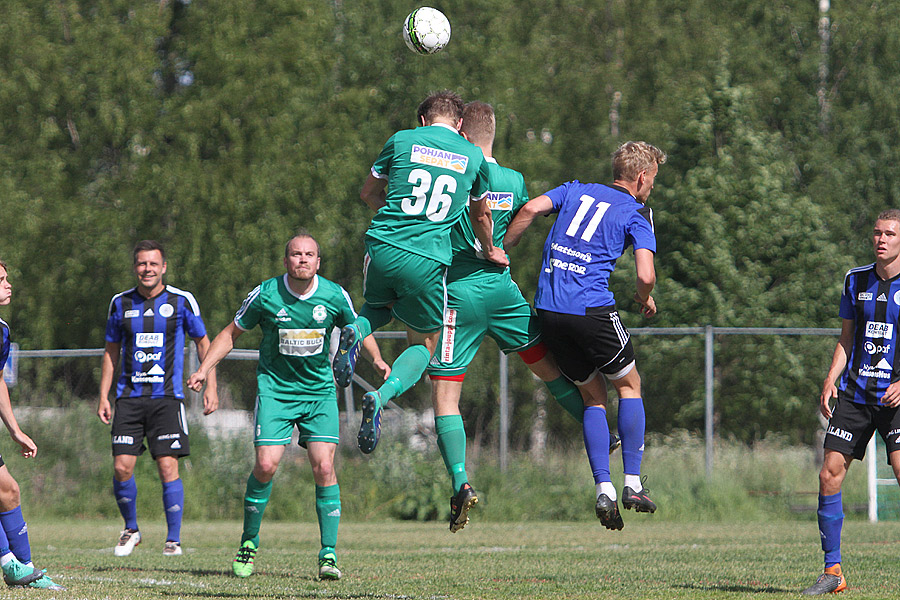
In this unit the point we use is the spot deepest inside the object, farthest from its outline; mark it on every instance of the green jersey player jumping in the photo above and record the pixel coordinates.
(296, 313)
(420, 185)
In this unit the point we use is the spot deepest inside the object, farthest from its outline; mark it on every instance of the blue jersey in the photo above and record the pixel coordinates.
(596, 223)
(4, 344)
(152, 334)
(874, 306)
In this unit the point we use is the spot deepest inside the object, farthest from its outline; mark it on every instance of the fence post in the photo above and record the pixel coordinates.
(709, 383)
(504, 413)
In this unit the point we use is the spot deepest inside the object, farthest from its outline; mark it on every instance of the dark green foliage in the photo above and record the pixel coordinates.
(220, 127)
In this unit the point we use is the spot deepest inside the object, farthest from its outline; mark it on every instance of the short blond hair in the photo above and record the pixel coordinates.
(478, 123)
(633, 157)
(891, 214)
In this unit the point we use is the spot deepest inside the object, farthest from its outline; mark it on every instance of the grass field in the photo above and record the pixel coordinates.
(391, 559)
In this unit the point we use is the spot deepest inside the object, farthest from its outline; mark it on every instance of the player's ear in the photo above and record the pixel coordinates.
(422, 120)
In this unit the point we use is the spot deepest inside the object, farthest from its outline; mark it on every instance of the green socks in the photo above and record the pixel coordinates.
(328, 509)
(406, 371)
(567, 395)
(255, 500)
(452, 443)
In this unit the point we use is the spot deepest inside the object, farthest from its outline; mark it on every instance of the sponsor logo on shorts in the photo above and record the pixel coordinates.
(169, 436)
(319, 313)
(877, 329)
(837, 431)
(149, 340)
(451, 161)
(500, 200)
(176, 445)
(130, 314)
(893, 432)
(449, 335)
(864, 296)
(123, 439)
(873, 348)
(144, 357)
(166, 311)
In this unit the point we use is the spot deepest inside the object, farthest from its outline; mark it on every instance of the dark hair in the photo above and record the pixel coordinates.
(440, 104)
(147, 245)
(302, 232)
(633, 157)
(478, 123)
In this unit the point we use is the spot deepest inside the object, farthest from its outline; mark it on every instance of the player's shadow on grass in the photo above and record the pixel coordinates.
(739, 589)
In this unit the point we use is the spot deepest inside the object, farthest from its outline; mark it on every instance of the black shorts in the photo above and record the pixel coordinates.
(582, 345)
(852, 425)
(161, 420)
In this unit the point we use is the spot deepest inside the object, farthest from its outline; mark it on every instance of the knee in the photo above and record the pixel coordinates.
(323, 473)
(265, 469)
(122, 472)
(830, 481)
(9, 495)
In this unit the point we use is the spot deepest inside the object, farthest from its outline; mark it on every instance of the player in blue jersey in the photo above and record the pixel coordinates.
(580, 324)
(863, 380)
(420, 185)
(146, 328)
(15, 550)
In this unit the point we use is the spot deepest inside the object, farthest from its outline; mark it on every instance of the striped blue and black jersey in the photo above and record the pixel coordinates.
(152, 334)
(596, 223)
(874, 305)
(4, 344)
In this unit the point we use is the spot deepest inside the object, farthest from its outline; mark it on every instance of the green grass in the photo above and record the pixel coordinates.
(390, 559)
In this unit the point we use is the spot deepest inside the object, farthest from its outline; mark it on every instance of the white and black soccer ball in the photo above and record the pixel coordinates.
(426, 30)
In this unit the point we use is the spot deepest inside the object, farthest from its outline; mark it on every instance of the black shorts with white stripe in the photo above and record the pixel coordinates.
(584, 344)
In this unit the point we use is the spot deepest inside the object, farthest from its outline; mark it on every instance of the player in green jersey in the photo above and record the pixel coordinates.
(296, 312)
(419, 186)
(484, 300)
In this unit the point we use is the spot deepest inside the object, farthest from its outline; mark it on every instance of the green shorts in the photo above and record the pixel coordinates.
(412, 285)
(483, 304)
(316, 418)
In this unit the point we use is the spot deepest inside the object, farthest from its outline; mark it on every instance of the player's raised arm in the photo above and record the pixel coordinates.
(374, 192)
(536, 207)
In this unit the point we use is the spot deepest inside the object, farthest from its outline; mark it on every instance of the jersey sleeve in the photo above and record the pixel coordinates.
(847, 309)
(4, 344)
(114, 323)
(558, 195)
(193, 323)
(482, 176)
(640, 229)
(250, 312)
(382, 167)
(346, 313)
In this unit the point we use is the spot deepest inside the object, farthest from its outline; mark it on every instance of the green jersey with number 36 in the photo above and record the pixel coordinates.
(293, 353)
(431, 173)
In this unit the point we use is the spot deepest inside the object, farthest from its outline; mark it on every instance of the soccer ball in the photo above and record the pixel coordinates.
(426, 30)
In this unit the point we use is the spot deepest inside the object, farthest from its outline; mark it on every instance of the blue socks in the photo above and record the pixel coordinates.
(596, 441)
(126, 498)
(173, 504)
(631, 429)
(831, 518)
(16, 533)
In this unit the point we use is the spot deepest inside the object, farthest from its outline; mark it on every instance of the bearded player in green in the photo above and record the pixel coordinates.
(484, 300)
(420, 185)
(296, 312)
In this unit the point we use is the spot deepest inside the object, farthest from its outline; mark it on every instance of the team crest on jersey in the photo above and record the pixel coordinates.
(897, 297)
(166, 310)
(451, 161)
(500, 200)
(319, 313)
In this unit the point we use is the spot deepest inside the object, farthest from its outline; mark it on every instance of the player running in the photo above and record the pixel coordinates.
(862, 380)
(146, 328)
(596, 223)
(296, 313)
(15, 549)
(419, 185)
(482, 299)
